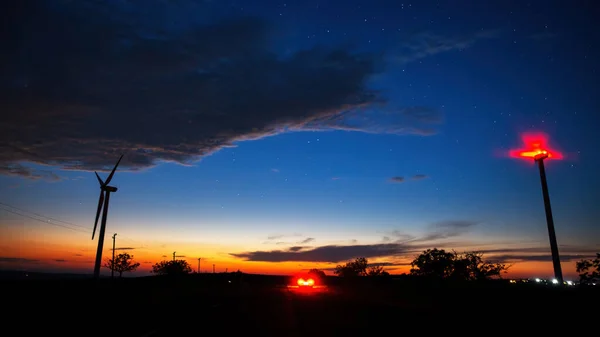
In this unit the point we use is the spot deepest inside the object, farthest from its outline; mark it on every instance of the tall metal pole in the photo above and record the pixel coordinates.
(101, 237)
(199, 265)
(174, 256)
(112, 268)
(550, 221)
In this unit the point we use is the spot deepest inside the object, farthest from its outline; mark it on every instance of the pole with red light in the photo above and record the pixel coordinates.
(549, 219)
(538, 150)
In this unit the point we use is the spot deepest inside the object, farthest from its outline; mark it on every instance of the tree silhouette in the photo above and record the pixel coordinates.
(469, 266)
(172, 267)
(354, 268)
(377, 271)
(433, 263)
(123, 263)
(317, 273)
(589, 270)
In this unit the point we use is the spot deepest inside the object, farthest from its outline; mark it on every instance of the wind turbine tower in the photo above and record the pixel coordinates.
(105, 191)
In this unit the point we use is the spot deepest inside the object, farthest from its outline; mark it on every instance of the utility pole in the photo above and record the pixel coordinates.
(112, 268)
(213, 268)
(550, 220)
(173, 256)
(199, 265)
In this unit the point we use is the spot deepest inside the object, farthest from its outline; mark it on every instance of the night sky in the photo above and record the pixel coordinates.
(274, 136)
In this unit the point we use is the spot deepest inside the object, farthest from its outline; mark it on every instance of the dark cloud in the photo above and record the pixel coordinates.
(60, 260)
(331, 253)
(541, 253)
(400, 179)
(445, 230)
(82, 83)
(387, 264)
(164, 256)
(536, 258)
(307, 240)
(296, 248)
(397, 179)
(403, 245)
(18, 170)
(18, 260)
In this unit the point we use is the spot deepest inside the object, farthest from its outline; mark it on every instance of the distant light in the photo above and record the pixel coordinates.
(538, 280)
(554, 281)
(570, 283)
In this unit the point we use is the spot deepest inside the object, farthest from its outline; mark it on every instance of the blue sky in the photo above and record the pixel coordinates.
(429, 92)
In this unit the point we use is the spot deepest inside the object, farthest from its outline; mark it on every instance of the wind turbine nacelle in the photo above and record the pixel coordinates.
(110, 189)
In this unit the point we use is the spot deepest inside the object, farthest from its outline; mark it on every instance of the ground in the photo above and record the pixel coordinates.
(265, 307)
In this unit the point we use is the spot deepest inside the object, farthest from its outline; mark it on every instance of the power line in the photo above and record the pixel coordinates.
(42, 216)
(64, 224)
(45, 221)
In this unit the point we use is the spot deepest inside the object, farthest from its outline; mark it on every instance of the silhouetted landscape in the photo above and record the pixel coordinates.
(258, 305)
(299, 168)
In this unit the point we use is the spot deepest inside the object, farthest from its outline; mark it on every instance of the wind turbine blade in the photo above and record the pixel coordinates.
(112, 173)
(100, 203)
(99, 179)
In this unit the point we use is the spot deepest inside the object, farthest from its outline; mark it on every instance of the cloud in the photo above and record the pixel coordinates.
(536, 258)
(387, 264)
(18, 170)
(99, 81)
(275, 170)
(330, 254)
(540, 253)
(397, 179)
(281, 236)
(400, 179)
(427, 44)
(60, 260)
(445, 230)
(336, 178)
(403, 245)
(78, 254)
(18, 260)
(124, 248)
(307, 240)
(296, 248)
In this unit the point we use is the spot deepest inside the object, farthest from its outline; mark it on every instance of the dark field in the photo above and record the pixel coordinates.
(263, 306)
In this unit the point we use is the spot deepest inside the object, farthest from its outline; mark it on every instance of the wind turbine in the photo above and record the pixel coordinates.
(105, 191)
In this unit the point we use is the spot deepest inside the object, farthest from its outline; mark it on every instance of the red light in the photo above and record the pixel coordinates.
(308, 283)
(536, 147)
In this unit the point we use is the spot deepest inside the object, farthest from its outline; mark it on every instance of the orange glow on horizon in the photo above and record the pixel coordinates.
(536, 145)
